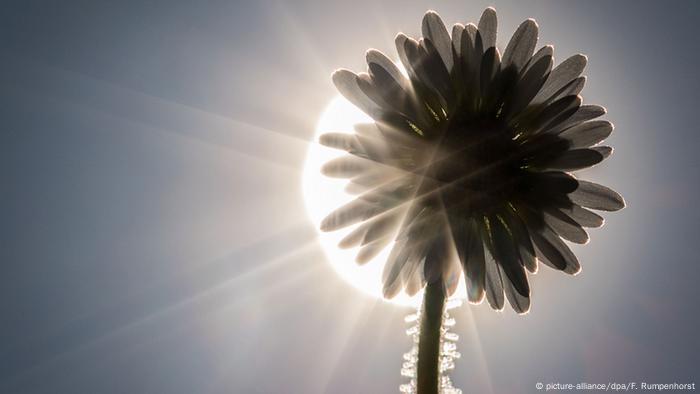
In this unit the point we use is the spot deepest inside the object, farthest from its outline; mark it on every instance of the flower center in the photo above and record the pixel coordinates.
(477, 166)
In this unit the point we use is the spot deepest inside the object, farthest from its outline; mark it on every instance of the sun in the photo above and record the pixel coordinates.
(323, 194)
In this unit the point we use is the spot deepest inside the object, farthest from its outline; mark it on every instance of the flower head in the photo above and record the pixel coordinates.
(466, 167)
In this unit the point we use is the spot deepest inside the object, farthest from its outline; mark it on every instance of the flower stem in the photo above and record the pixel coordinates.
(429, 343)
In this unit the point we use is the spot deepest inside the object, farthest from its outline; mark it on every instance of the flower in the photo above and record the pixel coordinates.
(466, 167)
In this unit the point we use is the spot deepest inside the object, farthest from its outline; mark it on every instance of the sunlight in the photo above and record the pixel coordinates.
(323, 194)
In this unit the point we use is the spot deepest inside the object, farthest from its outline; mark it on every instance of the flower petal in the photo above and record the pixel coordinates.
(392, 93)
(405, 257)
(583, 216)
(519, 302)
(606, 151)
(367, 86)
(391, 274)
(552, 251)
(505, 252)
(346, 83)
(555, 113)
(457, 31)
(353, 212)
(559, 77)
(576, 159)
(571, 89)
(415, 281)
(371, 230)
(546, 187)
(488, 28)
(521, 236)
(368, 205)
(595, 196)
(342, 141)
(471, 66)
(528, 86)
(373, 179)
(400, 42)
(348, 215)
(583, 114)
(371, 250)
(452, 271)
(494, 284)
(469, 38)
(470, 250)
(428, 75)
(565, 227)
(490, 64)
(345, 167)
(521, 45)
(436, 257)
(362, 146)
(546, 50)
(588, 133)
(377, 58)
(436, 72)
(381, 227)
(434, 29)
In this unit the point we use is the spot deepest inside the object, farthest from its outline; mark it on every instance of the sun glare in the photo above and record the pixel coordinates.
(323, 194)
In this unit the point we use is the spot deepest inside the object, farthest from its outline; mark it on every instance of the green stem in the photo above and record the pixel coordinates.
(429, 341)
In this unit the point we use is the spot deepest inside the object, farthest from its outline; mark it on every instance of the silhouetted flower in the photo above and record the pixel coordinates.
(468, 160)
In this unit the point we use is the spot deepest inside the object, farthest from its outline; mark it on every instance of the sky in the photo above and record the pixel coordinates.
(154, 237)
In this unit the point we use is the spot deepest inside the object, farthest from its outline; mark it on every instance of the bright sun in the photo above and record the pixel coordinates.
(323, 194)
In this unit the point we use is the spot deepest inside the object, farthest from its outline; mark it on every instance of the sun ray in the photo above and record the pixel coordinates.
(196, 296)
(146, 109)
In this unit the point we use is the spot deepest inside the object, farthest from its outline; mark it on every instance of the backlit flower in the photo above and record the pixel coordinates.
(467, 166)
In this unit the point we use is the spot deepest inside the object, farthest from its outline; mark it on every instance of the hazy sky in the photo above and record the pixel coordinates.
(154, 237)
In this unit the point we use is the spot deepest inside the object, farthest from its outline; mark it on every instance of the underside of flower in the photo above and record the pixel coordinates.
(466, 168)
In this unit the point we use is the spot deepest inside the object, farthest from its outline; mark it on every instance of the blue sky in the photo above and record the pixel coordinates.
(154, 236)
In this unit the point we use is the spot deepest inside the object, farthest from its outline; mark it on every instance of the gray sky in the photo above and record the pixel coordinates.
(154, 237)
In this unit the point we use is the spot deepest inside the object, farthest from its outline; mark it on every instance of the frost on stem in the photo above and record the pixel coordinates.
(448, 352)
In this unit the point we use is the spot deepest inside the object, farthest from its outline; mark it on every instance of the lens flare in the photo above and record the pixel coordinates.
(323, 194)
